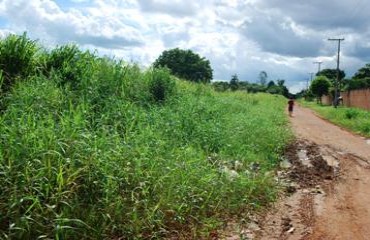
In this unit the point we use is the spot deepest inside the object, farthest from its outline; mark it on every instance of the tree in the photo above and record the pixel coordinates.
(357, 83)
(220, 86)
(363, 72)
(185, 64)
(284, 89)
(360, 80)
(263, 78)
(234, 82)
(320, 86)
(243, 85)
(254, 88)
(280, 82)
(280, 88)
(331, 74)
(271, 84)
(274, 89)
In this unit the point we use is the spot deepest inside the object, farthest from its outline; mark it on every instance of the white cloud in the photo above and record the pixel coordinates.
(178, 8)
(298, 86)
(5, 32)
(46, 18)
(244, 37)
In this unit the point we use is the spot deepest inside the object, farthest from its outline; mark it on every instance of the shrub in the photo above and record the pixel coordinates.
(71, 64)
(351, 113)
(161, 85)
(16, 59)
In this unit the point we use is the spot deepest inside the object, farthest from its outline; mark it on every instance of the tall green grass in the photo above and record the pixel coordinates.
(120, 152)
(17, 59)
(354, 119)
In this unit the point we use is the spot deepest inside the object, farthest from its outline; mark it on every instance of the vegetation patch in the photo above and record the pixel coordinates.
(101, 149)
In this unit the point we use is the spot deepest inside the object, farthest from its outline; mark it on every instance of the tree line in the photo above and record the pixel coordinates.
(325, 81)
(190, 66)
(271, 87)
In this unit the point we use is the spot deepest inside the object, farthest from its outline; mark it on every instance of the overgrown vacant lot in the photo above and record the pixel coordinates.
(94, 148)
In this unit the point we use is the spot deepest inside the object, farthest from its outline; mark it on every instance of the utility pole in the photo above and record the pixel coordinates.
(306, 92)
(309, 79)
(319, 65)
(311, 74)
(337, 81)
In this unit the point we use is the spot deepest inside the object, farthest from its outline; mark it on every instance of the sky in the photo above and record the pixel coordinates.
(243, 37)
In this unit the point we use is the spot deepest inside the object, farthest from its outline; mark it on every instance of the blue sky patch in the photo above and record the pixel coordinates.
(3, 22)
(67, 4)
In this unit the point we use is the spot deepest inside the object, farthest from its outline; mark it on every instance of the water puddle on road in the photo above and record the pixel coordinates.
(331, 161)
(303, 157)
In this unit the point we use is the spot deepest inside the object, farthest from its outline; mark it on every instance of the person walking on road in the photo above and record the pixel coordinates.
(290, 107)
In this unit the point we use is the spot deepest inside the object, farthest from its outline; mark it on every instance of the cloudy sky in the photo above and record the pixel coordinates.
(243, 37)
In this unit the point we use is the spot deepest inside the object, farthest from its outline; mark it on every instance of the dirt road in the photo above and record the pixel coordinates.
(344, 211)
(334, 206)
(308, 126)
(327, 179)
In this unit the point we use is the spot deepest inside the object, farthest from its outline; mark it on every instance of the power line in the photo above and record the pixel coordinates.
(337, 81)
(308, 81)
(319, 65)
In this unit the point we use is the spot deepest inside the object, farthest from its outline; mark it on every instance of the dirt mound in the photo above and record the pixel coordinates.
(308, 166)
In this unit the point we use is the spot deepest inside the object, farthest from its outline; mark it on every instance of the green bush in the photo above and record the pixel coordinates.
(73, 66)
(17, 59)
(161, 84)
(351, 113)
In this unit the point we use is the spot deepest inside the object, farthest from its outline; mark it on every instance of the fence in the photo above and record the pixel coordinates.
(357, 98)
(327, 100)
(353, 98)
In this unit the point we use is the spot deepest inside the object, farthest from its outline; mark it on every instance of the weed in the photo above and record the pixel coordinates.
(86, 152)
(16, 59)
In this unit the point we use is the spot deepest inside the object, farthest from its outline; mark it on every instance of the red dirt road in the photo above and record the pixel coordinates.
(326, 174)
(344, 211)
(308, 126)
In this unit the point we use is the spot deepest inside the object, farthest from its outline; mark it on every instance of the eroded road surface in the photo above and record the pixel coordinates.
(343, 212)
(326, 173)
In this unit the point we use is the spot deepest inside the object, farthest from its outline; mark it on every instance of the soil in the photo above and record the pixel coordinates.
(326, 174)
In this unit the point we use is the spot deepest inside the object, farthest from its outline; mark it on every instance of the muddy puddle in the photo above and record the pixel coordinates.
(306, 173)
(310, 164)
